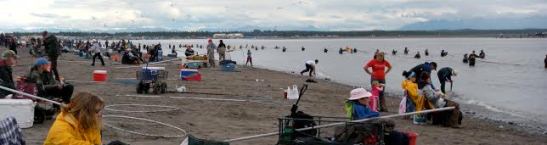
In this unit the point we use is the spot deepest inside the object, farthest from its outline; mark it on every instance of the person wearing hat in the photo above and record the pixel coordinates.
(356, 106)
(211, 52)
(46, 84)
(9, 59)
(445, 75)
(96, 49)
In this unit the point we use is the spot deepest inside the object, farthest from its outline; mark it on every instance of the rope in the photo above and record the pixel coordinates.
(339, 124)
(32, 96)
(171, 108)
(147, 120)
(148, 63)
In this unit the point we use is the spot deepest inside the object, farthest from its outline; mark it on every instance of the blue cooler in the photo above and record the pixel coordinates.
(229, 67)
(150, 73)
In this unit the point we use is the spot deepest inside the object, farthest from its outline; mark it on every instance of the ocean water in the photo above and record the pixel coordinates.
(511, 81)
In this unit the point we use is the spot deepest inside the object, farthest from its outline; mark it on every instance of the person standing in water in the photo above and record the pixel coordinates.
(545, 61)
(426, 52)
(310, 67)
(482, 55)
(406, 51)
(417, 56)
(249, 58)
(465, 60)
(378, 66)
(472, 58)
(445, 75)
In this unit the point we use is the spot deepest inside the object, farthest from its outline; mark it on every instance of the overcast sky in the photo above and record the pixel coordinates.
(226, 15)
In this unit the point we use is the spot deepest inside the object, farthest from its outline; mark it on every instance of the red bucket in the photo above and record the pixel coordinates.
(412, 137)
(99, 75)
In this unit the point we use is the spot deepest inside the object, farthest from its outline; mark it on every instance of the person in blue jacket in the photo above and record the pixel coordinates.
(423, 69)
(357, 105)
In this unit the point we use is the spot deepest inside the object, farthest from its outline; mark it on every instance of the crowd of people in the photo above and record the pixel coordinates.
(419, 91)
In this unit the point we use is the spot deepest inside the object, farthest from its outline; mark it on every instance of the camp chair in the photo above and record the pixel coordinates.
(10, 133)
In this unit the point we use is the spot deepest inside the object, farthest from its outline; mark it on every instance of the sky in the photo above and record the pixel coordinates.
(244, 15)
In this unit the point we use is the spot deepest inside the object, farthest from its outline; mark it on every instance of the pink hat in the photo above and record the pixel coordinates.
(359, 93)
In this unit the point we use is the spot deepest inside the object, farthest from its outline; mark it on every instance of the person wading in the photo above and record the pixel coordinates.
(378, 66)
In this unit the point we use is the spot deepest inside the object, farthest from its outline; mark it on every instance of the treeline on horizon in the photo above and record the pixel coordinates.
(297, 34)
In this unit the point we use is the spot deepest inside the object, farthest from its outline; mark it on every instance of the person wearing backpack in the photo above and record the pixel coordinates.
(357, 105)
(51, 45)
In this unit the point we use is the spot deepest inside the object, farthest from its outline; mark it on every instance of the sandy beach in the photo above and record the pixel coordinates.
(227, 105)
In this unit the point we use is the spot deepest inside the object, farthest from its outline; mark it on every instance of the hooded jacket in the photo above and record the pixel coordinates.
(66, 131)
(411, 90)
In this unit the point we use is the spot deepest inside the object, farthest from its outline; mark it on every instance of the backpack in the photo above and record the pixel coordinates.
(348, 107)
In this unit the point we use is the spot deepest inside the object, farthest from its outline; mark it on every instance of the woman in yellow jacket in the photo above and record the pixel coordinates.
(79, 123)
(412, 92)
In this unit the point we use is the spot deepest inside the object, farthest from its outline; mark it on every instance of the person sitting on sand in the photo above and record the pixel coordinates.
(78, 123)
(9, 59)
(357, 105)
(310, 67)
(415, 101)
(436, 99)
(189, 51)
(45, 81)
(129, 58)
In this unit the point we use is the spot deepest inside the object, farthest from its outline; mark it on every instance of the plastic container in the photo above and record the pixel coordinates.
(190, 75)
(100, 75)
(150, 73)
(412, 137)
(193, 65)
(21, 109)
(229, 67)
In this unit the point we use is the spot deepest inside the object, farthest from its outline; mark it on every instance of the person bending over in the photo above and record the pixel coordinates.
(310, 67)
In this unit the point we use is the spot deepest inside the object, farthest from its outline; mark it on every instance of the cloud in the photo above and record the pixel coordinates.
(191, 15)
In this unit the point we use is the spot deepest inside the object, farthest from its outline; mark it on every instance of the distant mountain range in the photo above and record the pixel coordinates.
(480, 23)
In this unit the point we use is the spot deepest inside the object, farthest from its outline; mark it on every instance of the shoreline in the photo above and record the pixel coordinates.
(229, 119)
(477, 112)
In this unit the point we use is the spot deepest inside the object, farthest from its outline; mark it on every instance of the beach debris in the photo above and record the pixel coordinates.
(181, 89)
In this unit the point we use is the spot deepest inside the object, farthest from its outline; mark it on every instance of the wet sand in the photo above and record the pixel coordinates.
(233, 117)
